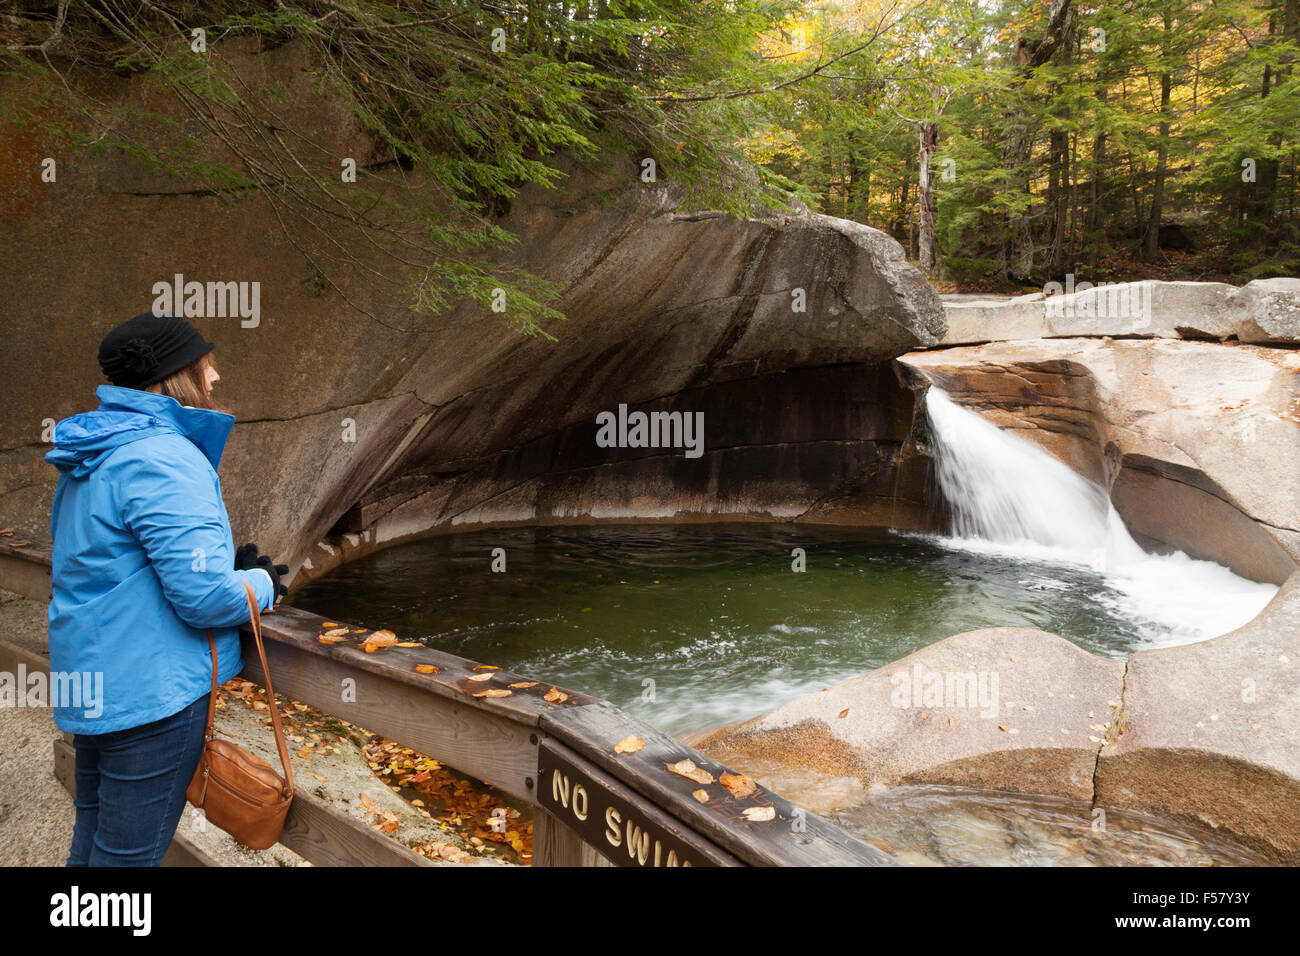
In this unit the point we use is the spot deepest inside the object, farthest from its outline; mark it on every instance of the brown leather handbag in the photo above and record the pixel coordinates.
(237, 791)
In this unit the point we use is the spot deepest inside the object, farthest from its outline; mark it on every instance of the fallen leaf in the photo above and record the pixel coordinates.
(316, 776)
(844, 712)
(336, 632)
(556, 696)
(454, 854)
(426, 669)
(410, 644)
(477, 677)
(486, 667)
(378, 639)
(629, 745)
(739, 785)
(330, 624)
(493, 692)
(759, 814)
(525, 683)
(686, 768)
(326, 639)
(701, 795)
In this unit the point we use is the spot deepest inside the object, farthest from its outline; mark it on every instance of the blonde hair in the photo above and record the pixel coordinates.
(189, 386)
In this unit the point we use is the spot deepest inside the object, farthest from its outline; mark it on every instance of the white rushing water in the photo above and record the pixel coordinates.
(1010, 498)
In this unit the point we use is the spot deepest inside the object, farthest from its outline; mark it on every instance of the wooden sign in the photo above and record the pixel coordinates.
(617, 822)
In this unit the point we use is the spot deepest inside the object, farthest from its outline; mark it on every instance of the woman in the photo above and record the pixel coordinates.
(143, 565)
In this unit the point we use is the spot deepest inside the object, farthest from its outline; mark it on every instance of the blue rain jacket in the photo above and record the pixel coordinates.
(143, 559)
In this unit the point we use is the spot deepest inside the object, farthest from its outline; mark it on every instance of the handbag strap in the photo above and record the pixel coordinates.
(255, 619)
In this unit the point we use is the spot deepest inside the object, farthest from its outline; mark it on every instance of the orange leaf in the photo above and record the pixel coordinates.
(629, 745)
(739, 785)
(426, 668)
(556, 696)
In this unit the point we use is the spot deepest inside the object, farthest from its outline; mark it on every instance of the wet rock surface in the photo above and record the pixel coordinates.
(952, 826)
(1004, 708)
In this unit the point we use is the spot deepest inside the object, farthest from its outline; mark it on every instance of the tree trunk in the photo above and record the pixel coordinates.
(1151, 247)
(1094, 226)
(928, 253)
(1018, 245)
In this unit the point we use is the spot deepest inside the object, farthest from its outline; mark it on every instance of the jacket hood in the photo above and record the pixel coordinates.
(125, 415)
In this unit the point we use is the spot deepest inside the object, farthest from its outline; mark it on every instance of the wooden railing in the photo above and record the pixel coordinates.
(591, 805)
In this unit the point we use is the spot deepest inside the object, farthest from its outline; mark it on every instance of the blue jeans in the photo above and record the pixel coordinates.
(131, 788)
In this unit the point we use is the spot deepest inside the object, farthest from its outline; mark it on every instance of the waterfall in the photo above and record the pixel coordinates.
(1010, 498)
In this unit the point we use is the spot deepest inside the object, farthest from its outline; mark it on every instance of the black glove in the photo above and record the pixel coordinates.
(248, 557)
(275, 571)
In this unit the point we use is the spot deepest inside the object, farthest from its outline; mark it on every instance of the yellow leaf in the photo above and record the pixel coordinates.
(479, 677)
(410, 644)
(556, 696)
(493, 692)
(686, 768)
(486, 667)
(426, 669)
(701, 795)
(759, 814)
(525, 683)
(629, 745)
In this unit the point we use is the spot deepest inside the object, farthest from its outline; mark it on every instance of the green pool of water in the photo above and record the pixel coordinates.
(689, 627)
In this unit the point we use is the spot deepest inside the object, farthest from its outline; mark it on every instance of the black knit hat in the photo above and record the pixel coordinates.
(148, 348)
